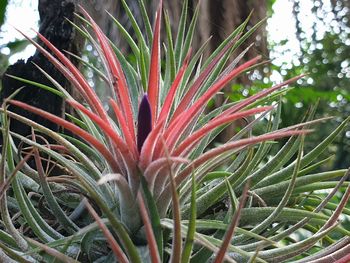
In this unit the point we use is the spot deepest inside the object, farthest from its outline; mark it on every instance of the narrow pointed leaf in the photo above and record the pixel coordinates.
(154, 216)
(73, 128)
(220, 120)
(199, 81)
(228, 235)
(229, 147)
(184, 119)
(61, 216)
(149, 146)
(181, 33)
(117, 72)
(77, 75)
(188, 246)
(154, 73)
(177, 238)
(152, 243)
(120, 255)
(127, 135)
(169, 99)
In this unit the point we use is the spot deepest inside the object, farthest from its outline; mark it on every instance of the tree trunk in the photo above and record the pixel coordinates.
(55, 27)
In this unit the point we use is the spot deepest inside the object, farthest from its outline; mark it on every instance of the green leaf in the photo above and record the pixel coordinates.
(290, 251)
(206, 241)
(233, 199)
(12, 254)
(39, 226)
(57, 211)
(154, 215)
(146, 21)
(170, 69)
(126, 36)
(285, 199)
(3, 5)
(278, 189)
(189, 37)
(53, 252)
(134, 24)
(216, 193)
(181, 34)
(308, 158)
(188, 246)
(45, 87)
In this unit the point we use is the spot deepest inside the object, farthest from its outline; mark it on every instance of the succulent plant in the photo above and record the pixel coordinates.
(145, 182)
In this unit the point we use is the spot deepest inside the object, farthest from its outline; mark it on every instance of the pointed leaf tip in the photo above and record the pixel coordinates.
(144, 124)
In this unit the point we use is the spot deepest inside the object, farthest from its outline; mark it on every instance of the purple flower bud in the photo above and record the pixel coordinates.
(144, 121)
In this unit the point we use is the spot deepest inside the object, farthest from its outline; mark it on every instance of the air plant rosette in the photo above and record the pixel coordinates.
(148, 174)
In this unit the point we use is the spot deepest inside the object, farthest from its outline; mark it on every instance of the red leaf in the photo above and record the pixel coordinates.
(179, 125)
(156, 166)
(117, 250)
(148, 148)
(117, 141)
(120, 85)
(151, 240)
(74, 129)
(123, 126)
(94, 101)
(172, 91)
(234, 222)
(185, 102)
(260, 95)
(154, 73)
(69, 75)
(190, 141)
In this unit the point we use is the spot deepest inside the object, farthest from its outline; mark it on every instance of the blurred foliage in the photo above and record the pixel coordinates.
(9, 49)
(3, 5)
(324, 48)
(325, 57)
(269, 4)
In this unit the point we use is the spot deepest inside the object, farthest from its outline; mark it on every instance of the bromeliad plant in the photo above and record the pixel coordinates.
(146, 179)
